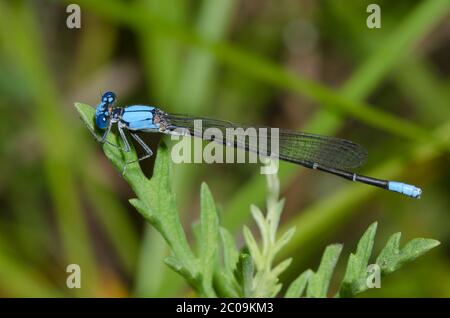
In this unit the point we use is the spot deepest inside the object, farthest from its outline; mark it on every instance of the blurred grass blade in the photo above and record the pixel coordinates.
(115, 221)
(18, 279)
(416, 25)
(197, 79)
(161, 73)
(153, 278)
(26, 52)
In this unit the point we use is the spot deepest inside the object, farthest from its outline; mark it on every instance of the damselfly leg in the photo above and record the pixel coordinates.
(104, 138)
(145, 147)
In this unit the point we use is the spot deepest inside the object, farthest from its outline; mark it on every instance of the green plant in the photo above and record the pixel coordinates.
(226, 272)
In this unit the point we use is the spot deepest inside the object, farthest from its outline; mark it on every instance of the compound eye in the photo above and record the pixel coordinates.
(102, 121)
(109, 97)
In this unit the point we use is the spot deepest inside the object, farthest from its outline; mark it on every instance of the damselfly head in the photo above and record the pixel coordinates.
(104, 110)
(108, 98)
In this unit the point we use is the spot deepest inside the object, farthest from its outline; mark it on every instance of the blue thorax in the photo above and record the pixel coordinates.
(139, 117)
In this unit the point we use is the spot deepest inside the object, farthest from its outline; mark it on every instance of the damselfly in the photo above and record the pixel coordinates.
(329, 154)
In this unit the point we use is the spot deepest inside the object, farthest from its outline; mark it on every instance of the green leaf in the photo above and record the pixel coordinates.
(274, 211)
(319, 282)
(392, 258)
(181, 269)
(140, 207)
(225, 281)
(209, 238)
(297, 287)
(244, 274)
(253, 247)
(280, 268)
(196, 233)
(158, 205)
(225, 285)
(415, 248)
(387, 259)
(230, 253)
(266, 281)
(87, 113)
(262, 224)
(354, 280)
(283, 240)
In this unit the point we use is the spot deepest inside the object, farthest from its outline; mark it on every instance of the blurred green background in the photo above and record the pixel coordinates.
(297, 64)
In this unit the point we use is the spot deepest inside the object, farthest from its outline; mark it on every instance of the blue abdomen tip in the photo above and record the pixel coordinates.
(406, 189)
